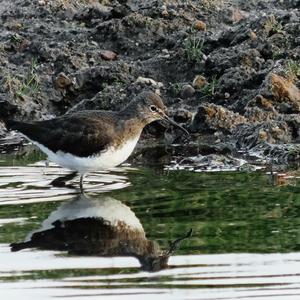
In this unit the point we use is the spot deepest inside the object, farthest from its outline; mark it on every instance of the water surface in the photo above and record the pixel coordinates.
(113, 241)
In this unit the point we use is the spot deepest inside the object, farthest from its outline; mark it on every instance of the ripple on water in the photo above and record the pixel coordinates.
(28, 184)
(229, 213)
(221, 277)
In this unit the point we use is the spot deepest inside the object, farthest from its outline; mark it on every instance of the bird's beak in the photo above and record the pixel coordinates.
(169, 120)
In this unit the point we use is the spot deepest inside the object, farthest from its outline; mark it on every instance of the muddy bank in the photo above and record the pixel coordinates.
(228, 70)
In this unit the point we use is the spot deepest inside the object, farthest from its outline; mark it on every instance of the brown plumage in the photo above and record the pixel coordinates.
(89, 132)
(81, 134)
(71, 139)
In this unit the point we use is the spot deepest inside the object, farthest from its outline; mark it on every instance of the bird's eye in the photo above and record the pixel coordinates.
(153, 108)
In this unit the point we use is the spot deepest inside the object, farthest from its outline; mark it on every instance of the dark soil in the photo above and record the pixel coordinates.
(228, 70)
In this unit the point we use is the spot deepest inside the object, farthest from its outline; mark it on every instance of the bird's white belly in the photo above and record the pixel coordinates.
(109, 158)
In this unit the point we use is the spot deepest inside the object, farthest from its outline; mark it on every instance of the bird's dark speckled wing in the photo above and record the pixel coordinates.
(82, 134)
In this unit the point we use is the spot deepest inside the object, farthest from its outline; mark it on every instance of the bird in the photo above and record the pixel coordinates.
(93, 140)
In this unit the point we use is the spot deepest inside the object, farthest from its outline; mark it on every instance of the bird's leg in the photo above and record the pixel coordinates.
(81, 183)
(61, 181)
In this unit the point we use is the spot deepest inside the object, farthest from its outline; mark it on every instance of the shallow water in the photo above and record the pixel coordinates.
(103, 244)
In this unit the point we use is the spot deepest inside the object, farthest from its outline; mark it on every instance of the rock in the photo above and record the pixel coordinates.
(149, 81)
(226, 95)
(215, 117)
(284, 90)
(220, 60)
(258, 115)
(200, 25)
(249, 136)
(199, 82)
(108, 55)
(182, 115)
(233, 80)
(120, 11)
(187, 91)
(88, 13)
(260, 109)
(253, 35)
(276, 153)
(293, 121)
(263, 103)
(62, 81)
(110, 98)
(210, 162)
(165, 13)
(237, 15)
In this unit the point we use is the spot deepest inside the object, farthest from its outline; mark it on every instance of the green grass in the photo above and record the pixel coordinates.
(292, 69)
(175, 89)
(193, 47)
(210, 88)
(15, 39)
(272, 26)
(30, 85)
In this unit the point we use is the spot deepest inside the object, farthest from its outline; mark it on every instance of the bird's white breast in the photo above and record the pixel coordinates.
(109, 158)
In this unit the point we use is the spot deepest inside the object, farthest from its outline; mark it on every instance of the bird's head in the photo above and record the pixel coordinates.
(151, 108)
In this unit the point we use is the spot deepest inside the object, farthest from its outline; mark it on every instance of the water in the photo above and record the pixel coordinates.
(113, 242)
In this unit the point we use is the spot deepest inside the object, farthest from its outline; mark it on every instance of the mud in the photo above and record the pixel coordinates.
(228, 70)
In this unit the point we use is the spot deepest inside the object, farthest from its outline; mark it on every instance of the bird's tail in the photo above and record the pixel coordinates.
(12, 124)
(19, 246)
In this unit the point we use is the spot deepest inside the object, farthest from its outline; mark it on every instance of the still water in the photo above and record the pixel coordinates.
(117, 240)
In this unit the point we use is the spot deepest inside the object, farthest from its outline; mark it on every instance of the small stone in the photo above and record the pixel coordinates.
(182, 115)
(165, 13)
(149, 81)
(226, 95)
(17, 26)
(187, 91)
(199, 82)
(200, 25)
(262, 135)
(108, 55)
(70, 13)
(285, 108)
(42, 2)
(253, 35)
(62, 81)
(237, 15)
(94, 43)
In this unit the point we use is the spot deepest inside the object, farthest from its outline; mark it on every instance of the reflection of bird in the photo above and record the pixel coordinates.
(102, 227)
(94, 140)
